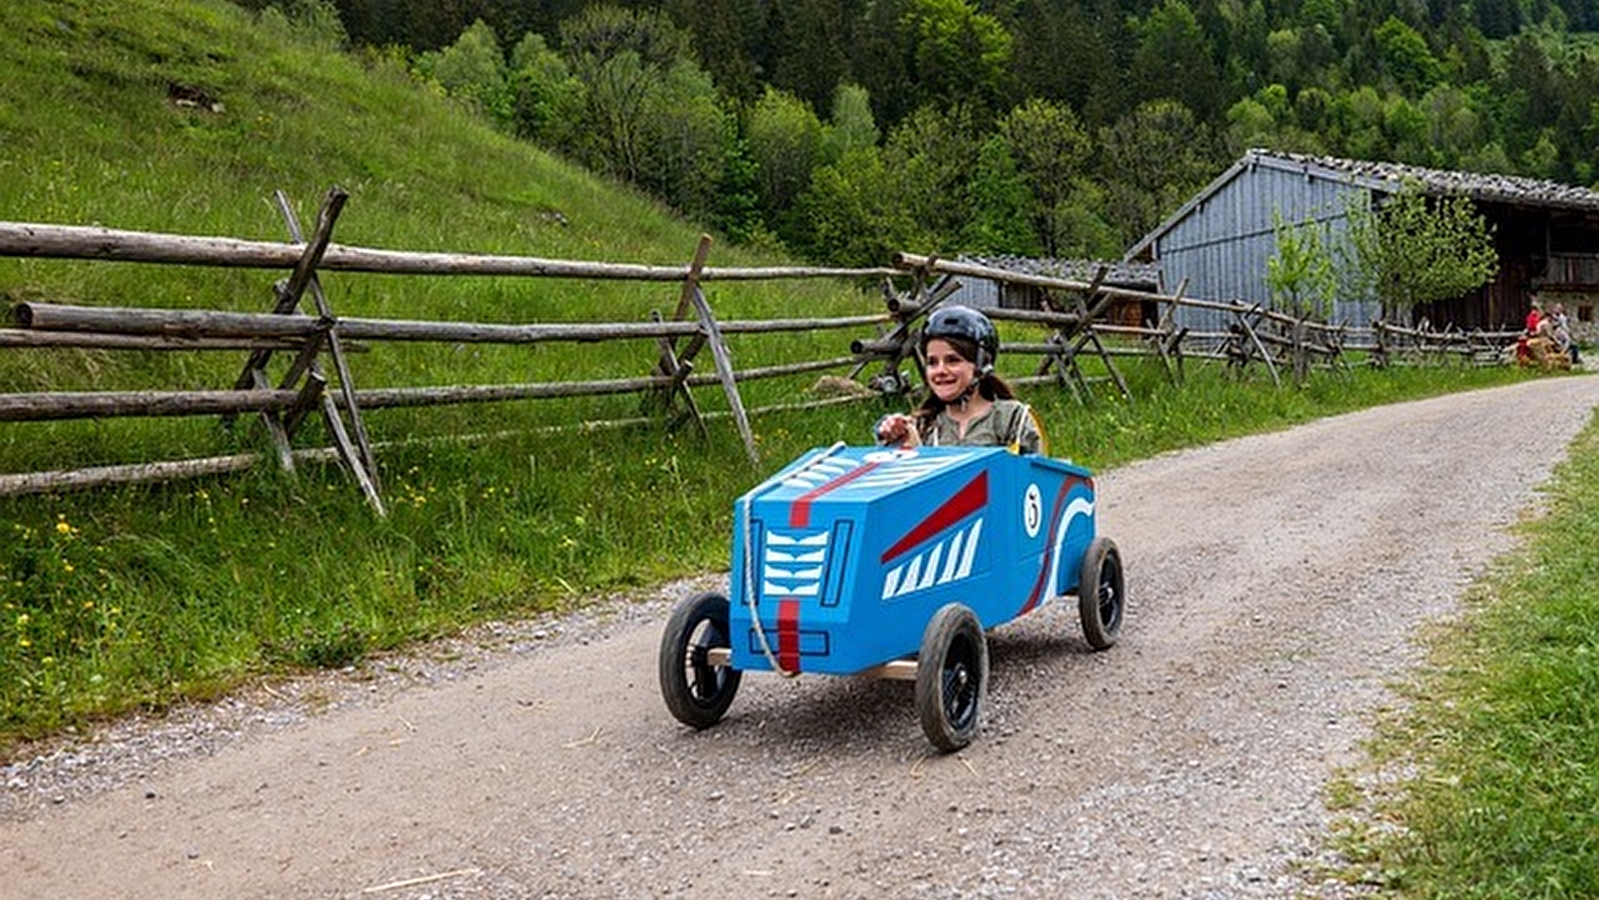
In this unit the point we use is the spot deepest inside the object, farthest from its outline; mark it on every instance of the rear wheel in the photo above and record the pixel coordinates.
(951, 677)
(1101, 593)
(697, 692)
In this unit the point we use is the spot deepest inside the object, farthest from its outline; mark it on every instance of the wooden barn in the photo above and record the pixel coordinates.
(1547, 236)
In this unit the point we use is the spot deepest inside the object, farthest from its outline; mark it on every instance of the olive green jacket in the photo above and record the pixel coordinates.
(1010, 423)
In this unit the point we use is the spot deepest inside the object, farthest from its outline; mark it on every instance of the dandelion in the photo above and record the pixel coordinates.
(63, 527)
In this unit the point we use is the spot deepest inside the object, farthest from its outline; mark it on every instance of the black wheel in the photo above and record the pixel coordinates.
(1101, 593)
(951, 677)
(697, 692)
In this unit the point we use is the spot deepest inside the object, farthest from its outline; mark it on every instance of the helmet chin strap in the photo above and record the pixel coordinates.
(966, 395)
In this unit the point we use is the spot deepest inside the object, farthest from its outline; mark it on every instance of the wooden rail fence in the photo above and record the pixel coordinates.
(1074, 323)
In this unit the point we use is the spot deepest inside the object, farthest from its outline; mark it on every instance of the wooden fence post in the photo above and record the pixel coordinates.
(358, 457)
(334, 342)
(724, 370)
(678, 366)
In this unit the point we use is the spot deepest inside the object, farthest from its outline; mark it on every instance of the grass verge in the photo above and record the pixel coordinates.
(1500, 794)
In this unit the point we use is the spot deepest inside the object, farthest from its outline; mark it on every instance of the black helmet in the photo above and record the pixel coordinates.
(966, 324)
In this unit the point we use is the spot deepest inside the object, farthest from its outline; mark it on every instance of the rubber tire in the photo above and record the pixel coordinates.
(697, 693)
(1101, 593)
(952, 677)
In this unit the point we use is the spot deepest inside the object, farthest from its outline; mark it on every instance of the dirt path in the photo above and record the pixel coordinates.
(1274, 583)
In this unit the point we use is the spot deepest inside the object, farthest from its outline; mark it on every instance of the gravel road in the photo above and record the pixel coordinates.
(1275, 583)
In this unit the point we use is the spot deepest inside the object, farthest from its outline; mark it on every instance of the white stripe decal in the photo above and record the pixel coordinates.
(932, 568)
(772, 571)
(890, 582)
(954, 554)
(778, 556)
(1078, 507)
(913, 573)
(971, 551)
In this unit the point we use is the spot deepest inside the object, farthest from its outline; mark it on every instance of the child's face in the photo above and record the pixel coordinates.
(949, 373)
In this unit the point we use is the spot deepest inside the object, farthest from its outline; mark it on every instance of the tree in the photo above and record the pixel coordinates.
(958, 55)
(1052, 40)
(1406, 59)
(312, 22)
(1001, 205)
(1415, 249)
(1300, 274)
(1302, 281)
(546, 100)
(812, 50)
(1051, 150)
(1173, 61)
(852, 126)
(688, 137)
(933, 156)
(1150, 162)
(473, 69)
(854, 216)
(622, 58)
(728, 33)
(786, 142)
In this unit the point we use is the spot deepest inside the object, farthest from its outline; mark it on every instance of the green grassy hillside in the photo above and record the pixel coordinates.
(184, 116)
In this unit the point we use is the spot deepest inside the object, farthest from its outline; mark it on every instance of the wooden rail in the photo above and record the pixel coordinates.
(1075, 327)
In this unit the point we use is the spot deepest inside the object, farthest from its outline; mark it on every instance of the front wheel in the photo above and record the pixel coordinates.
(951, 677)
(697, 692)
(1101, 593)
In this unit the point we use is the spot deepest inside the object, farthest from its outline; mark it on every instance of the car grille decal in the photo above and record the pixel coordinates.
(792, 565)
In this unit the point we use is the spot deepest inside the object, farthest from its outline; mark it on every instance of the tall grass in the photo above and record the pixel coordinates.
(1502, 802)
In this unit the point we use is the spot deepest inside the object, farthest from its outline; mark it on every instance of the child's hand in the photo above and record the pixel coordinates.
(897, 430)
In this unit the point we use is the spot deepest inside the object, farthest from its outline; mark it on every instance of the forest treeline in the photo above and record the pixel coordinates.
(842, 130)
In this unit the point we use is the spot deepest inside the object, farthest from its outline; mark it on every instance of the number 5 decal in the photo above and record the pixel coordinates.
(1033, 510)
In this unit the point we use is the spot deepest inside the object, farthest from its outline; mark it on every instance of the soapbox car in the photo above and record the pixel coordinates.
(893, 563)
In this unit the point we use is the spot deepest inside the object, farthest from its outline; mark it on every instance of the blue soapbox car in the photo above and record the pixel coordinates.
(893, 563)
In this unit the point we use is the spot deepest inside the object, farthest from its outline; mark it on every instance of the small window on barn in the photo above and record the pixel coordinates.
(1584, 314)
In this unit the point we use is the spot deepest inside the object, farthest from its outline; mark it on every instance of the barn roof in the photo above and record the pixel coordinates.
(1122, 273)
(1388, 177)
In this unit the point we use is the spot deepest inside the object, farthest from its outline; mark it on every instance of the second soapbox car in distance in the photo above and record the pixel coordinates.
(893, 563)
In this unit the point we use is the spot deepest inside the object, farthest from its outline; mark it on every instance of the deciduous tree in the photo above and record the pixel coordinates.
(1051, 151)
(1413, 248)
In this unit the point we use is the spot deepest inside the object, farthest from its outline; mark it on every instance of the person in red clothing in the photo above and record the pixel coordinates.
(1534, 320)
